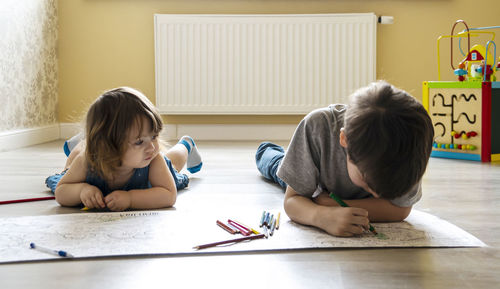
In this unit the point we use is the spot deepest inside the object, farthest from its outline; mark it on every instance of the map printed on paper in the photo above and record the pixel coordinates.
(168, 232)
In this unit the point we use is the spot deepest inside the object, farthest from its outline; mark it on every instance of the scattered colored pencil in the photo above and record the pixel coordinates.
(51, 251)
(273, 226)
(278, 221)
(270, 221)
(226, 227)
(26, 200)
(247, 238)
(266, 219)
(233, 227)
(248, 227)
(266, 232)
(243, 229)
(262, 218)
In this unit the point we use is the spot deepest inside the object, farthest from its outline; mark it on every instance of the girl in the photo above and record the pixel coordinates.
(119, 165)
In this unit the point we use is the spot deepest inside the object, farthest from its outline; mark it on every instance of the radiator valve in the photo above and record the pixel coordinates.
(386, 19)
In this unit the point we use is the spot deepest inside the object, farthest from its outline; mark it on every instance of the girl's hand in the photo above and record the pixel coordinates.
(118, 200)
(91, 197)
(344, 222)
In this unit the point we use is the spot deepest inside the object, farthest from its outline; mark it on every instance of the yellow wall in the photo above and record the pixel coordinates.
(109, 43)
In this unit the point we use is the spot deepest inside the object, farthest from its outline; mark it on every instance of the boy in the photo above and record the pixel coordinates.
(372, 154)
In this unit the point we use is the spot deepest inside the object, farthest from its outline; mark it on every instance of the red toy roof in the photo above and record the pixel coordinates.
(479, 55)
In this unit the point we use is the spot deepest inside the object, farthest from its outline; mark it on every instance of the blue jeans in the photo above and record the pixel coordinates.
(268, 158)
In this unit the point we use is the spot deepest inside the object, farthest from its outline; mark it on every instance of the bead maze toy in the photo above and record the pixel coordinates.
(466, 113)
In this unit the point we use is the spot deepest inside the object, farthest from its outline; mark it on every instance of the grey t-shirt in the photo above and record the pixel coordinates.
(315, 161)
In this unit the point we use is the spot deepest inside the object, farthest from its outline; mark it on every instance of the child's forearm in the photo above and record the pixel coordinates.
(381, 210)
(152, 198)
(325, 200)
(69, 194)
(302, 210)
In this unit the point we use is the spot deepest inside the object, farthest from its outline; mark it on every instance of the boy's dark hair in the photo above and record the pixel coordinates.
(108, 124)
(389, 138)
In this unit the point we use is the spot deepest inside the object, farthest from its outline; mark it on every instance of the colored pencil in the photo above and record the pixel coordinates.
(343, 204)
(233, 227)
(255, 231)
(51, 251)
(266, 232)
(273, 226)
(26, 200)
(262, 218)
(243, 229)
(225, 227)
(252, 237)
(278, 221)
(266, 218)
(246, 227)
(270, 221)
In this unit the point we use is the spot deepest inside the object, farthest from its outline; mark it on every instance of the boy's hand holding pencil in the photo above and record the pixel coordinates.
(342, 222)
(358, 215)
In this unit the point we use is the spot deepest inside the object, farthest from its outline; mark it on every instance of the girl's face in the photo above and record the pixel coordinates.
(142, 146)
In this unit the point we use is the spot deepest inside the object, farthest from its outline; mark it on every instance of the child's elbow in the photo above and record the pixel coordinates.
(171, 202)
(171, 199)
(60, 198)
(402, 213)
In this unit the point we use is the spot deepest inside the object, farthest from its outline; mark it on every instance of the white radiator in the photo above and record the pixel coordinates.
(261, 64)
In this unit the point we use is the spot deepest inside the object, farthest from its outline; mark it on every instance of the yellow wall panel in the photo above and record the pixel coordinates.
(104, 44)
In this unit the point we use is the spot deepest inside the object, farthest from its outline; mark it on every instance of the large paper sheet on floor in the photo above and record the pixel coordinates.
(177, 232)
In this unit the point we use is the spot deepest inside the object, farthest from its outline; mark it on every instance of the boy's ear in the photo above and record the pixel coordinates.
(342, 138)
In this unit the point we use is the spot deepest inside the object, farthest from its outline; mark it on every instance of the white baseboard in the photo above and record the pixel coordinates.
(69, 129)
(237, 132)
(10, 140)
(15, 139)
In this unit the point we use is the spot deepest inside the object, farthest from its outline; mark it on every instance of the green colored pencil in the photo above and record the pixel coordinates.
(343, 204)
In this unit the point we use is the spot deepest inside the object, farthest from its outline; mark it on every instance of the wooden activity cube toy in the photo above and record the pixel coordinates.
(466, 119)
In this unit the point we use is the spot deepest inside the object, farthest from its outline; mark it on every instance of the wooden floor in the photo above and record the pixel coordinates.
(464, 193)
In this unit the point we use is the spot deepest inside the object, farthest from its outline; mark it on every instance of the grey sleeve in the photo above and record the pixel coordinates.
(410, 198)
(298, 168)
